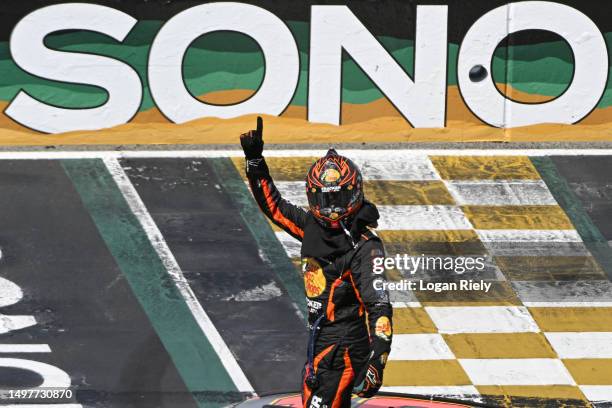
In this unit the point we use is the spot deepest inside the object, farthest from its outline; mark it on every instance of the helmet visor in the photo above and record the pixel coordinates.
(333, 201)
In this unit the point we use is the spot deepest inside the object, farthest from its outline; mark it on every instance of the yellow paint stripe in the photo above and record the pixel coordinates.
(590, 371)
(290, 168)
(396, 192)
(424, 372)
(500, 294)
(573, 319)
(417, 242)
(393, 275)
(408, 236)
(381, 192)
(537, 217)
(240, 164)
(275, 228)
(563, 392)
(499, 345)
(409, 320)
(550, 268)
(282, 168)
(485, 167)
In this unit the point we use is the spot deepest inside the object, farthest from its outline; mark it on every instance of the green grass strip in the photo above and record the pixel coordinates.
(274, 253)
(193, 355)
(588, 231)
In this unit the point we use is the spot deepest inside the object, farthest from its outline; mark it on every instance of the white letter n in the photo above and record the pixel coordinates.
(421, 101)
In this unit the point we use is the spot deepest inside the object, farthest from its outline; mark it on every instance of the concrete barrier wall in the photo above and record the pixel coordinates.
(197, 72)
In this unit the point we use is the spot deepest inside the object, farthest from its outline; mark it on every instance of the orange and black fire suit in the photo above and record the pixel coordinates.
(349, 316)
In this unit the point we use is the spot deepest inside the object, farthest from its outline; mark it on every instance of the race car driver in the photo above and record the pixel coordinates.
(349, 317)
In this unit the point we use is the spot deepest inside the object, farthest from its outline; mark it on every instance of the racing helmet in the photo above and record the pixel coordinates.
(334, 188)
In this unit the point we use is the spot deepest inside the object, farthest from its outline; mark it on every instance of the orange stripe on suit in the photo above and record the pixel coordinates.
(277, 215)
(331, 306)
(361, 305)
(345, 380)
(317, 360)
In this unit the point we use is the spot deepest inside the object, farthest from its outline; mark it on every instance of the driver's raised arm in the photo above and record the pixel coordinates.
(287, 216)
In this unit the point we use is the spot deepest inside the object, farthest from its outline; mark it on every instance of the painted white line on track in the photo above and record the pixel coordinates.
(399, 305)
(10, 293)
(501, 192)
(482, 319)
(581, 344)
(447, 391)
(382, 168)
(355, 154)
(464, 193)
(518, 371)
(517, 235)
(537, 248)
(420, 346)
(292, 191)
(292, 246)
(597, 393)
(52, 376)
(396, 217)
(25, 348)
(163, 251)
(568, 304)
(422, 217)
(585, 293)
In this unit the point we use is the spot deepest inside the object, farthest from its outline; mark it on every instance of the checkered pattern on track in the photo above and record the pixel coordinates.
(545, 327)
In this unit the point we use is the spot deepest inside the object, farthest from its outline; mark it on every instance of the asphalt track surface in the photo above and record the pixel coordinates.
(205, 231)
(110, 313)
(84, 308)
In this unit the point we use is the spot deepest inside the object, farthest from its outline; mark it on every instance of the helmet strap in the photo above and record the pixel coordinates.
(348, 234)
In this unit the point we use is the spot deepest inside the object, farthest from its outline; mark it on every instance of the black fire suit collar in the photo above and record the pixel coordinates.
(328, 243)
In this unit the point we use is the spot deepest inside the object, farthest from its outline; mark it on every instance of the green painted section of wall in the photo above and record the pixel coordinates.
(224, 61)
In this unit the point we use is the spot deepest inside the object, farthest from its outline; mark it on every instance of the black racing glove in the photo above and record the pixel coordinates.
(370, 379)
(252, 141)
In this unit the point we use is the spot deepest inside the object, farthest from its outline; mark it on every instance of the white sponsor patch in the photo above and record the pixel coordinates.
(315, 402)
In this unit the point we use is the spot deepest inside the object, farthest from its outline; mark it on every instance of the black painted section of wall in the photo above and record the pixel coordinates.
(86, 312)
(221, 261)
